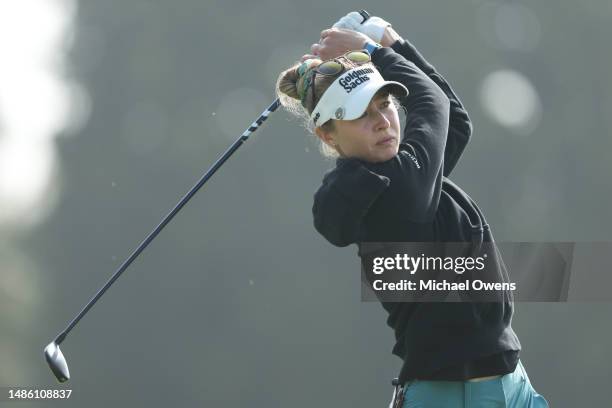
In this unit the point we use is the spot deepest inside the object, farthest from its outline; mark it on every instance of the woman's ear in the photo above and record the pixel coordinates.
(325, 136)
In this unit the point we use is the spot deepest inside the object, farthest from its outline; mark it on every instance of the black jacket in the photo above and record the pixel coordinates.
(410, 199)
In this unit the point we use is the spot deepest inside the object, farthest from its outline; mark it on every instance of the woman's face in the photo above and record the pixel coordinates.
(373, 137)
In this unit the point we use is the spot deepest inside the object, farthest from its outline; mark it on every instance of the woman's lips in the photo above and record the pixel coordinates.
(386, 140)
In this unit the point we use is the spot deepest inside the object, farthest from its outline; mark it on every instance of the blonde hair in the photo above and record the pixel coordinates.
(300, 102)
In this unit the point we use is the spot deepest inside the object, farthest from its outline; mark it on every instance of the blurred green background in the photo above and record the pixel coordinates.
(110, 111)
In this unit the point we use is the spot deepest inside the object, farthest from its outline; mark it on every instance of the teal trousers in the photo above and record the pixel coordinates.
(512, 390)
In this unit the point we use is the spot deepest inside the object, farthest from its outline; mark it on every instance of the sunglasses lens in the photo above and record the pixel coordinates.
(329, 68)
(358, 57)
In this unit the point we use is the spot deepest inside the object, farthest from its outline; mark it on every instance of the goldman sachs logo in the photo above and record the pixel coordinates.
(353, 79)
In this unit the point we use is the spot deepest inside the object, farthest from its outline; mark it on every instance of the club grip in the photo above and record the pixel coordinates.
(365, 15)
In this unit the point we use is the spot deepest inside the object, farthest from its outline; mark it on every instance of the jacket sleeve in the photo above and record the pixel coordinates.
(413, 176)
(460, 125)
(415, 173)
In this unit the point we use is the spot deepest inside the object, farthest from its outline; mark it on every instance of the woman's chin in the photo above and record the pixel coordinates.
(380, 155)
(389, 153)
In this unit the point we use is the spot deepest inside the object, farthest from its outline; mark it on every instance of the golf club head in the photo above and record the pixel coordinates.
(57, 362)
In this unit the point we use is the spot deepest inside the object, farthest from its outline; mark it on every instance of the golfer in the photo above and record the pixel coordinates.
(389, 186)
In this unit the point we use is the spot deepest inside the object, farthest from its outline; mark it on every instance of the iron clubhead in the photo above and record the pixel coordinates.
(57, 362)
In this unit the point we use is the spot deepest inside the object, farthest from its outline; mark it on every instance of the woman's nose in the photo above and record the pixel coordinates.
(382, 122)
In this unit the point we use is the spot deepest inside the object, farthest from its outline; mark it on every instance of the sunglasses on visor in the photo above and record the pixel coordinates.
(332, 67)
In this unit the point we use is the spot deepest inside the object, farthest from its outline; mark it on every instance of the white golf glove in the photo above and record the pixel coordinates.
(374, 27)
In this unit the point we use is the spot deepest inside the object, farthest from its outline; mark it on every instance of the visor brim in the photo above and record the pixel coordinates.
(360, 101)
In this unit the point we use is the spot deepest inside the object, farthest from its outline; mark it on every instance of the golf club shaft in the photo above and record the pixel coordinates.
(169, 217)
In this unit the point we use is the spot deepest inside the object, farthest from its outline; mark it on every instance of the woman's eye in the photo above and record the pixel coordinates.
(384, 105)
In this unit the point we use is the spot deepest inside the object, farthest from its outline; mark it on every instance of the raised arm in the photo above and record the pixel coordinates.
(460, 125)
(416, 171)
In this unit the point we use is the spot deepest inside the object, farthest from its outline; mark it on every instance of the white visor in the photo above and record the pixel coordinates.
(350, 94)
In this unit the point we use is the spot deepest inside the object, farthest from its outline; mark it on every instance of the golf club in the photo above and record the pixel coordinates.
(54, 356)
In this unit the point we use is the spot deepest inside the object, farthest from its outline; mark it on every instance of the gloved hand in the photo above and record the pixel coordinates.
(374, 27)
